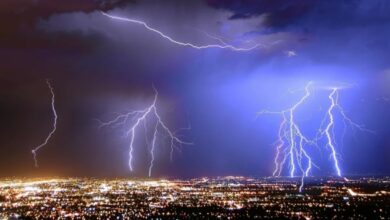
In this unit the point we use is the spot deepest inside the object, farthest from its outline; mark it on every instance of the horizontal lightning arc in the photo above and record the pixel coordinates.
(224, 45)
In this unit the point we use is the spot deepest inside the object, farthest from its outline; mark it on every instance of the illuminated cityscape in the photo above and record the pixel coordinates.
(219, 198)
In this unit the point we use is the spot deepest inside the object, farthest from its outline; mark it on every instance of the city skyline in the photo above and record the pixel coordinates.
(216, 198)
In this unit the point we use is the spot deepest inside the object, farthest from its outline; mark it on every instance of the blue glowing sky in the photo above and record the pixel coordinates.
(99, 66)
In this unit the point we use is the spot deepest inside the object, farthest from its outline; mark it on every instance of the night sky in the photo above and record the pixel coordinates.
(100, 67)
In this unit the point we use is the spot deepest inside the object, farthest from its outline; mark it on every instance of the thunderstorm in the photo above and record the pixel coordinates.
(292, 144)
(197, 109)
(140, 118)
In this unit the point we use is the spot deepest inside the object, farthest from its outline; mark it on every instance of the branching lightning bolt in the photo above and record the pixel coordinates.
(290, 132)
(223, 44)
(35, 150)
(329, 128)
(292, 144)
(139, 117)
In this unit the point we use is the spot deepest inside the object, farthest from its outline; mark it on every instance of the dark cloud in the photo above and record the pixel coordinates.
(20, 39)
(18, 18)
(30, 10)
(277, 12)
(309, 13)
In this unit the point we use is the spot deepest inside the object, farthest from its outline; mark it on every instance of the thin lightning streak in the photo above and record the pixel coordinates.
(152, 150)
(327, 130)
(35, 150)
(224, 45)
(291, 143)
(280, 144)
(220, 40)
(139, 118)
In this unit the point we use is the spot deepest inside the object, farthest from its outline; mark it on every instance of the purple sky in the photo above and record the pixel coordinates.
(99, 66)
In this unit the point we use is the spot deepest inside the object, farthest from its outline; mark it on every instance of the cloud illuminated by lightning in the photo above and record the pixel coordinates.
(138, 118)
(223, 44)
(292, 145)
(290, 53)
(54, 127)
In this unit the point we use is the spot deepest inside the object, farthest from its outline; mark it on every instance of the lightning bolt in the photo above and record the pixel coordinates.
(54, 127)
(139, 117)
(329, 128)
(290, 132)
(291, 145)
(330, 142)
(223, 44)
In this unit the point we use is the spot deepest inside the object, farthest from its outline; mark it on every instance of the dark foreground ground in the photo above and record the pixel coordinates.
(217, 198)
